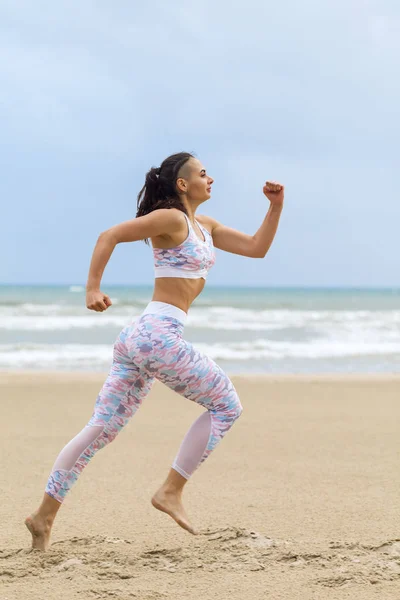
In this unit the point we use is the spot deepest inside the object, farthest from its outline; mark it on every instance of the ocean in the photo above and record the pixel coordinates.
(245, 330)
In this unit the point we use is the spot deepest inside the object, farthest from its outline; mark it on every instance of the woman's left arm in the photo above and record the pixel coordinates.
(257, 245)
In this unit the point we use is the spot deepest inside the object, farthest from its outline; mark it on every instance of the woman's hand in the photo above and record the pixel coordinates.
(274, 192)
(96, 300)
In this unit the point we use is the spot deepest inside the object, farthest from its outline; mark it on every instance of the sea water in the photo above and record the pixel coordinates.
(245, 330)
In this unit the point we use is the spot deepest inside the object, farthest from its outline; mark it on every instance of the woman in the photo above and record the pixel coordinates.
(152, 347)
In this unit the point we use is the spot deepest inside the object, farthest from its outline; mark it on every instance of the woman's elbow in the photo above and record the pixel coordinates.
(109, 236)
(258, 255)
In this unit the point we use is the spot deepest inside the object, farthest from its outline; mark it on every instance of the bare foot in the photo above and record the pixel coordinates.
(170, 502)
(40, 529)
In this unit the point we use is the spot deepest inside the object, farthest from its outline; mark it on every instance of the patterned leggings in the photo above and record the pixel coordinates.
(152, 348)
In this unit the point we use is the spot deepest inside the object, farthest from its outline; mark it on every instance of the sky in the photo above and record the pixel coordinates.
(304, 93)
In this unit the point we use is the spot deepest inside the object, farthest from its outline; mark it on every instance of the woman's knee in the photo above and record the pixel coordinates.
(233, 407)
(110, 433)
(238, 408)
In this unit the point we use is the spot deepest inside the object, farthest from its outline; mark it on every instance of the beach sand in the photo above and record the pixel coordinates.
(299, 501)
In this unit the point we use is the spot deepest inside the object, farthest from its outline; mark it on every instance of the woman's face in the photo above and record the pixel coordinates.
(195, 182)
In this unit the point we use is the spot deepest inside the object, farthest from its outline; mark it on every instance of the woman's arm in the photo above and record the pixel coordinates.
(157, 222)
(257, 245)
(101, 255)
(264, 236)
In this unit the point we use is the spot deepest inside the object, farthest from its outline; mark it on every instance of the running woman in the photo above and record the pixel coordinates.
(153, 346)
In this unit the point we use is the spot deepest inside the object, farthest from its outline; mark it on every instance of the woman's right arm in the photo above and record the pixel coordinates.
(158, 222)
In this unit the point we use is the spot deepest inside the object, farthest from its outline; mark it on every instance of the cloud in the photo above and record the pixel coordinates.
(307, 92)
(302, 77)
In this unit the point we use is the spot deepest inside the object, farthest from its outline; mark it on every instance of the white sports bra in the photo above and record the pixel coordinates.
(192, 259)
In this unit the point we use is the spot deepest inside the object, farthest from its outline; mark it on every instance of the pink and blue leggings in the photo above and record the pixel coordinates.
(152, 348)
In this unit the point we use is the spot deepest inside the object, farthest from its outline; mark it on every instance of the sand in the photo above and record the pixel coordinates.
(300, 501)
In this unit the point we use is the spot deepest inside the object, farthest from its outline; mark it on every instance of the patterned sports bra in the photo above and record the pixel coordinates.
(192, 259)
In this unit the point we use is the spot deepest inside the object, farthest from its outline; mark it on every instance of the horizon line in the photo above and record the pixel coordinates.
(227, 285)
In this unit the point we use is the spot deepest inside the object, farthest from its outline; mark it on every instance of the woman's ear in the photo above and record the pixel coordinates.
(181, 184)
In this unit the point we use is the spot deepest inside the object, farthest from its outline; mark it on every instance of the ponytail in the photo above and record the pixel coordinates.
(159, 190)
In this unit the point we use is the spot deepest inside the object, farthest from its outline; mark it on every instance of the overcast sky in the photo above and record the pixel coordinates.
(307, 93)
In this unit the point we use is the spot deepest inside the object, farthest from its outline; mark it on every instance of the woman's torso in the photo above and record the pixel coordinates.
(179, 291)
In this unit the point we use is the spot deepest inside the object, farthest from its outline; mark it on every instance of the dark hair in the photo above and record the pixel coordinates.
(159, 190)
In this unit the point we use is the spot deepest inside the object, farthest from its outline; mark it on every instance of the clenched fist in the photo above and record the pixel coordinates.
(274, 192)
(96, 300)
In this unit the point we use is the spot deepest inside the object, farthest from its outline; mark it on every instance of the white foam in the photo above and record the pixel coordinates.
(55, 356)
(99, 356)
(45, 317)
(262, 349)
(52, 323)
(229, 318)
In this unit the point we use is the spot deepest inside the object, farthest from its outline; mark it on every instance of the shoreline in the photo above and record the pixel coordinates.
(301, 377)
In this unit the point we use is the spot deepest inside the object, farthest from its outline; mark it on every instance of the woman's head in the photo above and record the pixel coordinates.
(180, 178)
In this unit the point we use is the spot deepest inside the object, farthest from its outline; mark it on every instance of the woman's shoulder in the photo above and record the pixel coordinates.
(206, 221)
(175, 220)
(172, 216)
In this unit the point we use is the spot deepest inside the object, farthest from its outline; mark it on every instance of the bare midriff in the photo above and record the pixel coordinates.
(177, 291)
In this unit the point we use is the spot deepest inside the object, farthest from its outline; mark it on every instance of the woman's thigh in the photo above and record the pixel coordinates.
(199, 378)
(124, 389)
(196, 376)
(157, 346)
